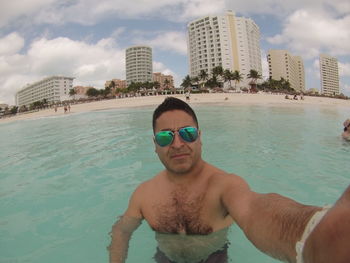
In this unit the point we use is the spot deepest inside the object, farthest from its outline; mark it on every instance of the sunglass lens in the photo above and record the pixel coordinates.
(164, 138)
(189, 134)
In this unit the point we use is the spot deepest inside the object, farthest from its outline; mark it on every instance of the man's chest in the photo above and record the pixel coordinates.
(181, 212)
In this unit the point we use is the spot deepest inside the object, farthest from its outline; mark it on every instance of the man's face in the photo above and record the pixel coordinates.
(180, 156)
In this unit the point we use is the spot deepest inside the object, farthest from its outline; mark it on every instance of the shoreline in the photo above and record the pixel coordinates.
(229, 99)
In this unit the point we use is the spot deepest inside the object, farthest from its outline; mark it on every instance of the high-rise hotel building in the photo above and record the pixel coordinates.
(224, 40)
(53, 89)
(329, 75)
(284, 65)
(138, 62)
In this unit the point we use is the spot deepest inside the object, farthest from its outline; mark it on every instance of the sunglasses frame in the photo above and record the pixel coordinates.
(179, 131)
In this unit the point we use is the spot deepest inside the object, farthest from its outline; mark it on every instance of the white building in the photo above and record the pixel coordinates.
(329, 75)
(138, 62)
(225, 40)
(53, 89)
(284, 65)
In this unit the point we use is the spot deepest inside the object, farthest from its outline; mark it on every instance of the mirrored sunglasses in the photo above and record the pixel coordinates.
(165, 138)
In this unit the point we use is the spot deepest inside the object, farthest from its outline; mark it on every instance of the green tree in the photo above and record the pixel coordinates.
(166, 84)
(213, 82)
(203, 77)
(92, 92)
(156, 84)
(218, 73)
(186, 82)
(254, 75)
(228, 76)
(195, 81)
(237, 77)
(72, 92)
(14, 110)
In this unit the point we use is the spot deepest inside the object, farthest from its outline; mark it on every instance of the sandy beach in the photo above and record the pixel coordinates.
(222, 98)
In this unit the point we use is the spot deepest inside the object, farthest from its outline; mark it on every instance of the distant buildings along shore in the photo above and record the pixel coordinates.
(284, 65)
(224, 40)
(329, 75)
(217, 40)
(52, 89)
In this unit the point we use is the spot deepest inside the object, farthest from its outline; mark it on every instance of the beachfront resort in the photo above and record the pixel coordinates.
(224, 57)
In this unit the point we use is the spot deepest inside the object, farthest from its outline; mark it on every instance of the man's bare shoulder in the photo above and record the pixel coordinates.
(226, 179)
(148, 185)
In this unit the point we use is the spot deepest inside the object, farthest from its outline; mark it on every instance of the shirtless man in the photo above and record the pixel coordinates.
(191, 204)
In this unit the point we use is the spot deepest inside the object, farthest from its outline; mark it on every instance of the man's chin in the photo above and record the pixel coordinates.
(181, 169)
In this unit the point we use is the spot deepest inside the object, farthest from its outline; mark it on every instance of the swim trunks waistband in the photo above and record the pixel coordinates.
(313, 222)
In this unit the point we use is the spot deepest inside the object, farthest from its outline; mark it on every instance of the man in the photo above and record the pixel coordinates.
(346, 133)
(191, 204)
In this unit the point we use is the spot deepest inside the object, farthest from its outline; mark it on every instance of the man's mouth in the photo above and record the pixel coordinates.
(178, 155)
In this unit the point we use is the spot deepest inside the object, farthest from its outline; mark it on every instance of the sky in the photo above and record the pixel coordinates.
(86, 39)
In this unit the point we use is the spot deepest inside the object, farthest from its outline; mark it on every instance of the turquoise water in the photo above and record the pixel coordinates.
(64, 180)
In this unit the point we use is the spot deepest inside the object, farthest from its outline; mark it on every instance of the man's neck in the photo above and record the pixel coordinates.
(189, 177)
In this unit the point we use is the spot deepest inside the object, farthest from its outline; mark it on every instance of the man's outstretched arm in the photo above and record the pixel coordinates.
(273, 223)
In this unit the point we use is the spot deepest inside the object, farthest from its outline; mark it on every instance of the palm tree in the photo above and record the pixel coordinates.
(213, 82)
(228, 76)
(203, 76)
(186, 82)
(166, 83)
(72, 92)
(237, 77)
(218, 73)
(254, 76)
(195, 81)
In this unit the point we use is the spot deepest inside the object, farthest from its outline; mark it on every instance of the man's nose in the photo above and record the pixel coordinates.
(177, 142)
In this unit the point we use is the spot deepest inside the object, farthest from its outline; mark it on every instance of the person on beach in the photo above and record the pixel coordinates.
(346, 133)
(55, 108)
(188, 96)
(191, 204)
(65, 108)
(68, 107)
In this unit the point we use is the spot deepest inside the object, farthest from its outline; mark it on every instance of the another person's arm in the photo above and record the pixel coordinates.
(273, 223)
(123, 229)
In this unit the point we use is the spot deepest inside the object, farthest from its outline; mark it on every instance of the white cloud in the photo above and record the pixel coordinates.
(11, 44)
(90, 64)
(345, 89)
(344, 69)
(170, 41)
(10, 11)
(89, 12)
(309, 33)
(160, 67)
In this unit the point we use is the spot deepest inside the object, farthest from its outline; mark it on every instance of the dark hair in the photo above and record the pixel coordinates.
(170, 104)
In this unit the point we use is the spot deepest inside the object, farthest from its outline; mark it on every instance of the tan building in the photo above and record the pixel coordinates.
(3, 106)
(80, 92)
(165, 81)
(329, 75)
(118, 83)
(224, 40)
(284, 65)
